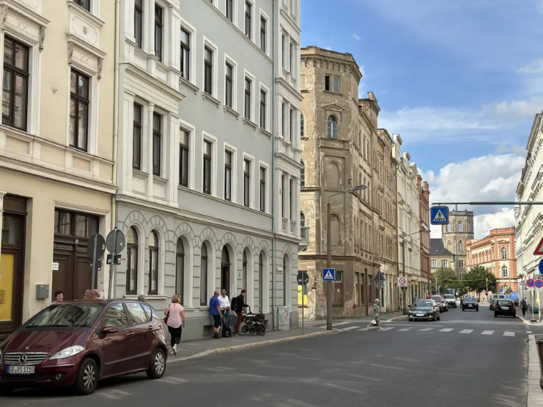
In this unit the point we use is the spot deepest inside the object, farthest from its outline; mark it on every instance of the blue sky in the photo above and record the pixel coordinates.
(459, 80)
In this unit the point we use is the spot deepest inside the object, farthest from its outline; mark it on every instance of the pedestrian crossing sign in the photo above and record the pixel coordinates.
(439, 215)
(328, 274)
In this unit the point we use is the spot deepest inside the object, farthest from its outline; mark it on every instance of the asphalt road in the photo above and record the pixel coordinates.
(466, 358)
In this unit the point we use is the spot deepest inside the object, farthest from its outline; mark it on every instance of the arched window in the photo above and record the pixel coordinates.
(449, 228)
(332, 131)
(335, 230)
(180, 269)
(504, 253)
(302, 219)
(460, 246)
(449, 245)
(153, 264)
(286, 272)
(505, 272)
(302, 126)
(244, 275)
(302, 174)
(460, 227)
(261, 282)
(132, 263)
(203, 275)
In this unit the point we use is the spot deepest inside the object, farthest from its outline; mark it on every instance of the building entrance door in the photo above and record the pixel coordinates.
(225, 271)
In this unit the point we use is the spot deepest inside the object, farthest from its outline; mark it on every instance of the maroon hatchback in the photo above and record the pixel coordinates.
(78, 343)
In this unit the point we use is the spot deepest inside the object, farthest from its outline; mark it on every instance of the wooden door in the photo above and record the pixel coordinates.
(63, 277)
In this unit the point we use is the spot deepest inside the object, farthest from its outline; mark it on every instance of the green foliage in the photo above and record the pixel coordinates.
(476, 279)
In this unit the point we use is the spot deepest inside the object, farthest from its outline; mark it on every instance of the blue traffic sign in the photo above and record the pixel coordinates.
(538, 284)
(541, 267)
(328, 274)
(439, 215)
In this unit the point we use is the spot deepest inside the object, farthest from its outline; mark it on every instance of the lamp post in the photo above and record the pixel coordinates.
(329, 287)
(403, 268)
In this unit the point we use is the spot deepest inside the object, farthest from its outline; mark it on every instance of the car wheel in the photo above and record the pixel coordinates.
(5, 390)
(463, 309)
(87, 377)
(158, 365)
(495, 315)
(477, 309)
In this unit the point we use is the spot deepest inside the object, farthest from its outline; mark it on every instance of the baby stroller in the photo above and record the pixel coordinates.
(254, 323)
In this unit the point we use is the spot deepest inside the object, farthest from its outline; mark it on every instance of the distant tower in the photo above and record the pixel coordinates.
(454, 235)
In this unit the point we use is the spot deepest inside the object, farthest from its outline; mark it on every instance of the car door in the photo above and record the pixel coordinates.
(142, 336)
(116, 352)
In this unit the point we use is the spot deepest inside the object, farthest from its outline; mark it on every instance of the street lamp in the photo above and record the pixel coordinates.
(329, 288)
(403, 267)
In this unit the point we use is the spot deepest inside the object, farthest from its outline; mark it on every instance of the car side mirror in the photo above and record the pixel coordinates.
(110, 329)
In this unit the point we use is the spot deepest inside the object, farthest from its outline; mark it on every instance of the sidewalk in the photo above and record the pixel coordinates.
(535, 394)
(526, 320)
(196, 349)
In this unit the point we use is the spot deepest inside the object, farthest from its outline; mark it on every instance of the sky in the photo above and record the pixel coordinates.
(460, 80)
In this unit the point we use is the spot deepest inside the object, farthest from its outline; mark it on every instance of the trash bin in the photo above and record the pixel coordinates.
(539, 345)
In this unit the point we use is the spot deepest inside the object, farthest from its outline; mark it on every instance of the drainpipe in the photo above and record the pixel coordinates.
(274, 127)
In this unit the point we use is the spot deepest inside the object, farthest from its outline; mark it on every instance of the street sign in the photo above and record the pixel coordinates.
(539, 248)
(402, 282)
(539, 284)
(541, 267)
(110, 260)
(303, 278)
(439, 215)
(380, 277)
(530, 283)
(328, 274)
(115, 241)
(95, 249)
(539, 278)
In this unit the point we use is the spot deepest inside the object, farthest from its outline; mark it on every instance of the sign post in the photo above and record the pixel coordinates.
(303, 279)
(115, 243)
(95, 249)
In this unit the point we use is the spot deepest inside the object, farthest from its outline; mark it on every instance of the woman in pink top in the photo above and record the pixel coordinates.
(176, 321)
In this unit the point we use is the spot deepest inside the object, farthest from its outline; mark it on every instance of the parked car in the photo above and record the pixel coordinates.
(451, 300)
(470, 303)
(79, 343)
(505, 307)
(424, 309)
(439, 300)
(493, 303)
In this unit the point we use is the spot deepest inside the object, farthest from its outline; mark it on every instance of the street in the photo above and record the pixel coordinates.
(464, 358)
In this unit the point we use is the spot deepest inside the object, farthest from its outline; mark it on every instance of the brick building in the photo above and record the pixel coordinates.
(424, 215)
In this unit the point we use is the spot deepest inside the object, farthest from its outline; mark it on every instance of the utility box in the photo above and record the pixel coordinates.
(42, 291)
(283, 318)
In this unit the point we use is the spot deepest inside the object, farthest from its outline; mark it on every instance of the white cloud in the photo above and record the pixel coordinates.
(516, 109)
(482, 179)
(356, 37)
(535, 67)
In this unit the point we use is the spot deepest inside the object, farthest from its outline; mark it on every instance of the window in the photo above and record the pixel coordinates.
(336, 84)
(158, 31)
(229, 10)
(302, 175)
(208, 71)
(302, 126)
(79, 110)
(449, 228)
(244, 272)
(180, 269)
(260, 282)
(461, 276)
(263, 96)
(327, 83)
(157, 143)
(136, 137)
(262, 189)
(460, 246)
(75, 224)
(116, 316)
(292, 123)
(83, 3)
(283, 180)
(248, 18)
(248, 85)
(228, 176)
(461, 264)
(283, 56)
(291, 57)
(263, 35)
(338, 289)
(434, 264)
(302, 220)
(286, 271)
(246, 182)
(153, 264)
(185, 54)
(184, 159)
(207, 167)
(332, 130)
(505, 272)
(292, 198)
(132, 262)
(504, 253)
(444, 264)
(460, 228)
(229, 79)
(203, 275)
(138, 22)
(136, 313)
(283, 124)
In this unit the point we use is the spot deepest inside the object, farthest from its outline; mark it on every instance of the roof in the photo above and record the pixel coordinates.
(438, 249)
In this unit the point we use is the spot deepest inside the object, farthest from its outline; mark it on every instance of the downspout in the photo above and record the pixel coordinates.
(115, 125)
(274, 127)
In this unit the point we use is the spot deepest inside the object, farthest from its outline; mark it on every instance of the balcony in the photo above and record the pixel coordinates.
(304, 235)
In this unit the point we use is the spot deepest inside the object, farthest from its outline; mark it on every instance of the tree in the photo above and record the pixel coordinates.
(476, 279)
(446, 278)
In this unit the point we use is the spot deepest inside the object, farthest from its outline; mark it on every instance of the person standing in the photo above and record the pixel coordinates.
(523, 306)
(224, 301)
(176, 322)
(377, 314)
(238, 305)
(215, 312)
(141, 298)
(94, 294)
(59, 297)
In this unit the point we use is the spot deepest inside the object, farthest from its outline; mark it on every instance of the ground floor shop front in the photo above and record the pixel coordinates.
(46, 227)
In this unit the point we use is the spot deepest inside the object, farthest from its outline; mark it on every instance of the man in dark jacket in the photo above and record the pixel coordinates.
(238, 306)
(523, 306)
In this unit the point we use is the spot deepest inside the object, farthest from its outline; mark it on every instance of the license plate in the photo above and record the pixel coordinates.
(21, 369)
(420, 315)
(470, 305)
(505, 308)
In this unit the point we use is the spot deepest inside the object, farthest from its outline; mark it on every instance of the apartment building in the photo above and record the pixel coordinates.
(56, 148)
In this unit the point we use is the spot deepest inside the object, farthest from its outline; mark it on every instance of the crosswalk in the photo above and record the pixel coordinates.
(359, 328)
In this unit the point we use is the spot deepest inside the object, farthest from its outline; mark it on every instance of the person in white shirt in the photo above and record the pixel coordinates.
(224, 301)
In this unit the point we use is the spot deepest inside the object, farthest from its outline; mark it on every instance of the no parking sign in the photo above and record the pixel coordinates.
(530, 283)
(539, 284)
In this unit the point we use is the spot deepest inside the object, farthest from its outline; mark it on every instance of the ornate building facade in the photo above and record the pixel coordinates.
(455, 235)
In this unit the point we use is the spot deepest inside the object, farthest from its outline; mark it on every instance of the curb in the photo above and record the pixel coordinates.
(236, 348)
(401, 318)
(535, 394)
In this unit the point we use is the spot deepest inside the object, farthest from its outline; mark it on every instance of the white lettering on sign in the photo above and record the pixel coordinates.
(55, 266)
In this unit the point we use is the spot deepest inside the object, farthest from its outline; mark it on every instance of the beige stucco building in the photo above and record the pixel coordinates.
(343, 148)
(56, 147)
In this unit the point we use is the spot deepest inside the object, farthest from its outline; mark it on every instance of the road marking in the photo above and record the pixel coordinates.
(336, 324)
(446, 330)
(466, 331)
(508, 334)
(528, 332)
(387, 329)
(425, 329)
(487, 332)
(405, 329)
(364, 329)
(350, 328)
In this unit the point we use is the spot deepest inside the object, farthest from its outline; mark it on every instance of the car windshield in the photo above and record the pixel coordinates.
(66, 316)
(449, 296)
(423, 304)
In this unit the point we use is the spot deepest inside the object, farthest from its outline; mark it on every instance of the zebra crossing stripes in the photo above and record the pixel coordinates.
(508, 334)
(446, 330)
(487, 332)
(387, 329)
(349, 328)
(466, 331)
(425, 329)
(404, 329)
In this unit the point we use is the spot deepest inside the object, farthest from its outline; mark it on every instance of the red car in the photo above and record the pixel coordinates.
(79, 343)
